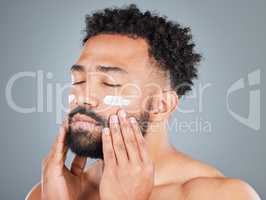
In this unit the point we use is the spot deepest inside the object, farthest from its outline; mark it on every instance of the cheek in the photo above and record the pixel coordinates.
(130, 97)
(113, 103)
(71, 99)
(116, 101)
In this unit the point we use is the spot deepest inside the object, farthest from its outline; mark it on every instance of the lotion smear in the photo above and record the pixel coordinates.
(116, 101)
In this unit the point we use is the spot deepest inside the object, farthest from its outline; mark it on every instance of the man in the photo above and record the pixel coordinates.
(133, 69)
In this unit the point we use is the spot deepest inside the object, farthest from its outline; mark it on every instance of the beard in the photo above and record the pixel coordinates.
(87, 142)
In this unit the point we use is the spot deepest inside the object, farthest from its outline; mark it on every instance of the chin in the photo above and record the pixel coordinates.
(84, 142)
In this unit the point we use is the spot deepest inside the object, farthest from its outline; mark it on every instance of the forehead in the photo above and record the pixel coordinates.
(118, 50)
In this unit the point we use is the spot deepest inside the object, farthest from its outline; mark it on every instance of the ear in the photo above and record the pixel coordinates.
(163, 105)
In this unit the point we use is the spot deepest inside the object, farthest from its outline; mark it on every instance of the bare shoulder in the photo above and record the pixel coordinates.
(218, 188)
(206, 189)
(180, 167)
(35, 193)
(207, 182)
(192, 179)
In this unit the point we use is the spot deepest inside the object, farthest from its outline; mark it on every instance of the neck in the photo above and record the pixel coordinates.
(157, 140)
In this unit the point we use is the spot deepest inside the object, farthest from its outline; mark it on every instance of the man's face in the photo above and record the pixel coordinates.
(109, 66)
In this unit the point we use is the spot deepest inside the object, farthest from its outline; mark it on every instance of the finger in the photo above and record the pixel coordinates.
(59, 148)
(118, 144)
(140, 140)
(108, 151)
(63, 126)
(129, 138)
(78, 165)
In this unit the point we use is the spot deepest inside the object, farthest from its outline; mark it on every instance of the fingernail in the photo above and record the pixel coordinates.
(122, 113)
(114, 119)
(106, 131)
(132, 120)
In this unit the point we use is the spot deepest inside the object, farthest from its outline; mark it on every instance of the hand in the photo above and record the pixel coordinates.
(58, 182)
(128, 171)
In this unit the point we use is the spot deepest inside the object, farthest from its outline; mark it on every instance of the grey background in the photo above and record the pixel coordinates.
(46, 35)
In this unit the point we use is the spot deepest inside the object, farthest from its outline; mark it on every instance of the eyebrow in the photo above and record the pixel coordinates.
(100, 68)
(77, 68)
(107, 69)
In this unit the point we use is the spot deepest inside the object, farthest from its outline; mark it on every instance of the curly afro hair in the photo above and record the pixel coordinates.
(170, 44)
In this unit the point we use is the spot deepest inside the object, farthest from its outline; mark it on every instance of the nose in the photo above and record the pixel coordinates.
(81, 99)
(87, 93)
(88, 100)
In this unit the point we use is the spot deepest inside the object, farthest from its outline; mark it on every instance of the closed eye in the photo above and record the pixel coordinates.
(79, 82)
(112, 85)
(107, 84)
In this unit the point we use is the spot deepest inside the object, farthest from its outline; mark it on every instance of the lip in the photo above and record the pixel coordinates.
(84, 118)
(86, 126)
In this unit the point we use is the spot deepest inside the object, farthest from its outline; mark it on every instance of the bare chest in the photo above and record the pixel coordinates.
(165, 192)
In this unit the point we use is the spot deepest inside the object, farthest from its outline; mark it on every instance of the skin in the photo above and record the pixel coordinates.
(134, 167)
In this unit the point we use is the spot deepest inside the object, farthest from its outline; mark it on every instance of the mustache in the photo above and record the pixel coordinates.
(89, 113)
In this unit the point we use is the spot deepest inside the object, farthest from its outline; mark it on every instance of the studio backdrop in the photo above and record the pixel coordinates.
(220, 122)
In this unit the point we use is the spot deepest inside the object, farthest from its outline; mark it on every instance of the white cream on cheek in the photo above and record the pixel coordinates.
(115, 101)
(108, 100)
(71, 97)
